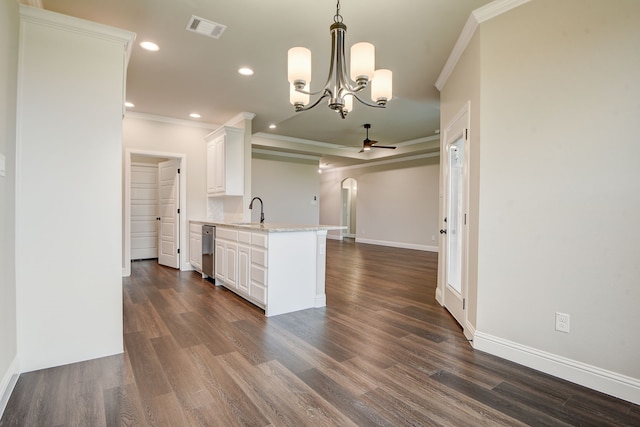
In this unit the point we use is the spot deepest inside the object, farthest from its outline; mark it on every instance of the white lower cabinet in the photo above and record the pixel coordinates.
(195, 246)
(244, 261)
(241, 263)
(227, 256)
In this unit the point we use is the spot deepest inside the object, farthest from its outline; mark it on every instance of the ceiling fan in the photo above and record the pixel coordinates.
(368, 144)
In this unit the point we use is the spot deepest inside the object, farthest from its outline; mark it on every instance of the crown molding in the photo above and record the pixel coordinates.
(59, 21)
(170, 120)
(478, 16)
(285, 154)
(382, 162)
(33, 3)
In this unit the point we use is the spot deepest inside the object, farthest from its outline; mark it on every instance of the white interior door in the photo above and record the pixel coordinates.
(144, 211)
(454, 227)
(169, 230)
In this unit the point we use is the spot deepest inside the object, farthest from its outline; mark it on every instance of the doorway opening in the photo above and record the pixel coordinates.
(349, 200)
(154, 214)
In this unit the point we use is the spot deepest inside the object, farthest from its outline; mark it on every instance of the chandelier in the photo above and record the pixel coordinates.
(339, 88)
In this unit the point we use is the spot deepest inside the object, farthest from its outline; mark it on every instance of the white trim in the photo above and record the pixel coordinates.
(240, 117)
(402, 245)
(184, 227)
(68, 23)
(335, 237)
(284, 154)
(458, 49)
(170, 120)
(614, 384)
(8, 383)
(383, 162)
(469, 330)
(478, 16)
(330, 145)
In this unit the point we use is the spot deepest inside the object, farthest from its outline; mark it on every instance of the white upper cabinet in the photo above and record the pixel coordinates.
(225, 162)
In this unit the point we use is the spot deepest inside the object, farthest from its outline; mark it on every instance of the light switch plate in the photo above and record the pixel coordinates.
(3, 165)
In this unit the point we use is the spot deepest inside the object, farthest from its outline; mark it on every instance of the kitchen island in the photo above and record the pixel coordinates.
(278, 267)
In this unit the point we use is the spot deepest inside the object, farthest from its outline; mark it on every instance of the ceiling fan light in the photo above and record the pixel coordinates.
(382, 86)
(299, 65)
(366, 148)
(298, 98)
(363, 58)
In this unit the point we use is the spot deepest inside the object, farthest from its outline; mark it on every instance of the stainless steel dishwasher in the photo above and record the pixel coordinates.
(208, 248)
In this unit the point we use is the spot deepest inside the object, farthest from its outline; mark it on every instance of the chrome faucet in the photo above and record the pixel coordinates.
(261, 208)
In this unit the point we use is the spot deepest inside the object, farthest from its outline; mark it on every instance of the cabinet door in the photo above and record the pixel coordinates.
(221, 249)
(211, 162)
(244, 266)
(219, 165)
(231, 261)
(195, 251)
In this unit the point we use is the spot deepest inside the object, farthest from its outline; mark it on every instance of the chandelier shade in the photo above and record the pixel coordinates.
(341, 86)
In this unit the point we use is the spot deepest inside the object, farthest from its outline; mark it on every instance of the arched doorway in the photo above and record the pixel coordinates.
(348, 203)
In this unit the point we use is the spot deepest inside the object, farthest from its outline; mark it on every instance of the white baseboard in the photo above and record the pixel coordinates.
(398, 244)
(602, 380)
(9, 381)
(334, 237)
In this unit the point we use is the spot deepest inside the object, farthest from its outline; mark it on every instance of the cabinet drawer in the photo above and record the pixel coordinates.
(259, 239)
(259, 256)
(259, 275)
(195, 228)
(227, 234)
(244, 237)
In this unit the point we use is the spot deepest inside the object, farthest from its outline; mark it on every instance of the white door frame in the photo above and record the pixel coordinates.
(126, 235)
(459, 125)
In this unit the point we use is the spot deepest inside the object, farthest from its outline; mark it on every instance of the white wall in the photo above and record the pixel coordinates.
(397, 203)
(68, 174)
(560, 190)
(287, 187)
(8, 83)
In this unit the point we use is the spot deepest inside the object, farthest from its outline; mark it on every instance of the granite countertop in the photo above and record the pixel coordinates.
(269, 227)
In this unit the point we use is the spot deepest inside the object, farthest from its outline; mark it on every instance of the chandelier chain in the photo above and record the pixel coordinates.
(337, 18)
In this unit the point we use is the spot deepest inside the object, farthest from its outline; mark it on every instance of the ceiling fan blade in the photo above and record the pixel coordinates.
(383, 146)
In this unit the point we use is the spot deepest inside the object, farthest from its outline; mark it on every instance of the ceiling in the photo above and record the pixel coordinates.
(195, 73)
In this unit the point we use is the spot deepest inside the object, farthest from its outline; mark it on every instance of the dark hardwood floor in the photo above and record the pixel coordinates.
(382, 352)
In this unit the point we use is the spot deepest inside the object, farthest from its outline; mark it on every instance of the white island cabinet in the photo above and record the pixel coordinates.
(280, 268)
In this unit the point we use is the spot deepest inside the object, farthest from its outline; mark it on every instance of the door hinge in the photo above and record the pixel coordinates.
(178, 170)
(178, 211)
(178, 250)
(465, 219)
(464, 300)
(466, 134)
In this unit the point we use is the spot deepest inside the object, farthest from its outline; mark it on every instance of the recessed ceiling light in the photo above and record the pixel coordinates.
(246, 71)
(194, 115)
(272, 126)
(150, 46)
(129, 104)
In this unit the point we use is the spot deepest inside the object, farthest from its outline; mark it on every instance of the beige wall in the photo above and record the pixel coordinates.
(8, 84)
(559, 188)
(287, 188)
(397, 203)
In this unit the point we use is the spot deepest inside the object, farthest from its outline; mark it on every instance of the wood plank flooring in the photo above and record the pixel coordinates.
(382, 353)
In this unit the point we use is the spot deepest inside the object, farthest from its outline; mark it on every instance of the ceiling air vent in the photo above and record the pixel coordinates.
(205, 27)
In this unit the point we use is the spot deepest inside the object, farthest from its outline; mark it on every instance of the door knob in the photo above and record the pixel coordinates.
(443, 231)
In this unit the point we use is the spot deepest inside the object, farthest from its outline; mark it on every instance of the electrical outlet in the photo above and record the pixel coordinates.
(562, 322)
